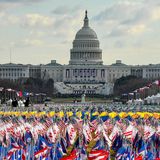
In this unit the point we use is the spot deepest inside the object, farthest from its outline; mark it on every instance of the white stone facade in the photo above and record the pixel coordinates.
(14, 71)
(117, 70)
(85, 74)
(53, 71)
(150, 71)
(35, 71)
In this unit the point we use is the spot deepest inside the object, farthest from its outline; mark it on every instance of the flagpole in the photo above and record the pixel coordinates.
(32, 149)
(80, 139)
(1, 152)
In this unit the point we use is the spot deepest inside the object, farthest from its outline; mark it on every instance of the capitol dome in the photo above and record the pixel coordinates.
(86, 33)
(86, 46)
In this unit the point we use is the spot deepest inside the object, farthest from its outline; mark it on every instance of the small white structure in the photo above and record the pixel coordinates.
(20, 103)
(139, 101)
(9, 102)
(83, 100)
(154, 99)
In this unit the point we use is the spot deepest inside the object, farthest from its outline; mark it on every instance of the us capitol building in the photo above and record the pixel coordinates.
(85, 71)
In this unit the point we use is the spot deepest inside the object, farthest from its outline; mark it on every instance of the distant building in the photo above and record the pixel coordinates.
(85, 71)
(14, 71)
(150, 71)
(118, 70)
(53, 71)
(35, 71)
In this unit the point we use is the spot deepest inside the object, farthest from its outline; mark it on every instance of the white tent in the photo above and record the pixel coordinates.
(148, 99)
(130, 102)
(154, 99)
(138, 101)
(157, 98)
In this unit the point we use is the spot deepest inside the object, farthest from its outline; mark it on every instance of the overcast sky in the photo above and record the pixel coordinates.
(37, 31)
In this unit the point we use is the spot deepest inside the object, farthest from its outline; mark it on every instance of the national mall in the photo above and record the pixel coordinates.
(85, 71)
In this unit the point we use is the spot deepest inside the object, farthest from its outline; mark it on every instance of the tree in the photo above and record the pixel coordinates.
(34, 85)
(128, 84)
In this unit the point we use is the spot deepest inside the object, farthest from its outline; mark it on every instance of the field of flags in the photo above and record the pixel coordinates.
(79, 133)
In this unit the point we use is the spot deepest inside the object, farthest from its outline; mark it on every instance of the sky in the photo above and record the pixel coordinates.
(38, 31)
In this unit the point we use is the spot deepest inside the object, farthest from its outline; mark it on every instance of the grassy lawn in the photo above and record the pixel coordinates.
(88, 99)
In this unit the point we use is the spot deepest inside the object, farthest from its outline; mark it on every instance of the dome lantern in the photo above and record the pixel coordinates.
(86, 20)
